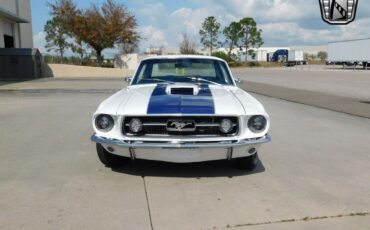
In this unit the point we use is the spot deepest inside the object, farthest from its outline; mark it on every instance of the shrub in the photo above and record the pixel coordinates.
(107, 65)
(235, 64)
(223, 56)
(254, 64)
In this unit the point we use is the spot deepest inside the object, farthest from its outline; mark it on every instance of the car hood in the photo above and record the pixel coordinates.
(157, 100)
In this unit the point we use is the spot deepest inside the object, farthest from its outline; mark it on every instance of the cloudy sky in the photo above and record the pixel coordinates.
(284, 22)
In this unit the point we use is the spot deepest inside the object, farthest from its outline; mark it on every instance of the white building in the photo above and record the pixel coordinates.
(15, 24)
(312, 50)
(263, 54)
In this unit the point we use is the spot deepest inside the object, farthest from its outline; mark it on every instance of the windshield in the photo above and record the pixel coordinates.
(183, 70)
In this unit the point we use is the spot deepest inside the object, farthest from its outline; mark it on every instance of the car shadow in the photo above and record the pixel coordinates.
(188, 170)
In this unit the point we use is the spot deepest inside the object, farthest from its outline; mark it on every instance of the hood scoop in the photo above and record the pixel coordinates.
(182, 90)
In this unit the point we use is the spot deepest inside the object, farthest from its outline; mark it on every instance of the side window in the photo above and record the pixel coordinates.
(141, 72)
(225, 73)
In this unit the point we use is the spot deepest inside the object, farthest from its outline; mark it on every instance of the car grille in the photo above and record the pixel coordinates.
(157, 126)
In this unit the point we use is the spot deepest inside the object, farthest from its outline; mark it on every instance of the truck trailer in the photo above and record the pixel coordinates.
(350, 52)
(295, 57)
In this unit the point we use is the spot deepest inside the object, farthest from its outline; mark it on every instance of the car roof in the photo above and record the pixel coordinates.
(182, 56)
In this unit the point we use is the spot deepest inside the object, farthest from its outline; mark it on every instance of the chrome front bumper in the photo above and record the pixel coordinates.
(182, 151)
(181, 144)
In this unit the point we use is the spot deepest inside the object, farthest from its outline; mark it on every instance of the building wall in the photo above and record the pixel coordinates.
(8, 5)
(22, 32)
(310, 49)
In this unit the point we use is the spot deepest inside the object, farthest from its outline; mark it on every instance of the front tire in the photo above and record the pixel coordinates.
(247, 163)
(108, 159)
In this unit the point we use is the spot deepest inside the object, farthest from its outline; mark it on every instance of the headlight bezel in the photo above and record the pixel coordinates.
(251, 126)
(108, 118)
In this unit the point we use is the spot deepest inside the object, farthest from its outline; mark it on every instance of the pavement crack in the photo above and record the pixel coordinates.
(146, 194)
(305, 219)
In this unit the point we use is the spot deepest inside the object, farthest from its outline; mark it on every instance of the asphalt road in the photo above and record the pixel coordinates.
(314, 174)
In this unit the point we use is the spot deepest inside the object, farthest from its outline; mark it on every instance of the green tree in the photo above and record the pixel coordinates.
(233, 34)
(322, 55)
(209, 33)
(251, 36)
(99, 27)
(56, 37)
(79, 47)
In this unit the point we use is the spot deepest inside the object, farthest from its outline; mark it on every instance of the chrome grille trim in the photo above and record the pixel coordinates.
(197, 125)
(157, 126)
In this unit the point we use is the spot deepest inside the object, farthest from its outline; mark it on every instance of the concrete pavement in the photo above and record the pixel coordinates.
(344, 91)
(342, 104)
(317, 165)
(50, 177)
(337, 82)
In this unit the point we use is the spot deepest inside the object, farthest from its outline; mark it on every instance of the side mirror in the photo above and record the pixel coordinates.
(238, 81)
(128, 80)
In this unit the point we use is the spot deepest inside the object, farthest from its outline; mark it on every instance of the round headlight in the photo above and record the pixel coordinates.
(136, 125)
(226, 126)
(257, 123)
(104, 122)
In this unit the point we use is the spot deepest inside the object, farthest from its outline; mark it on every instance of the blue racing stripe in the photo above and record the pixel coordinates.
(162, 103)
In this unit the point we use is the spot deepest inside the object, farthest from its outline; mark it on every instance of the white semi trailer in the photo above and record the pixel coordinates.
(351, 52)
(295, 57)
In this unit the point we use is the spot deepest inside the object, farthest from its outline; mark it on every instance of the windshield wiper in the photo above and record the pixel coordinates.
(201, 79)
(160, 80)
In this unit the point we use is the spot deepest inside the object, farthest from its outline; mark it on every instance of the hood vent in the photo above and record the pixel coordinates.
(182, 91)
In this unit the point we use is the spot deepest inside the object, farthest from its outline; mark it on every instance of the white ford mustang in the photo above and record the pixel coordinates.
(181, 109)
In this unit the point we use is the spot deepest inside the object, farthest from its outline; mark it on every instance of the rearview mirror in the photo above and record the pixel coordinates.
(183, 65)
(238, 81)
(128, 80)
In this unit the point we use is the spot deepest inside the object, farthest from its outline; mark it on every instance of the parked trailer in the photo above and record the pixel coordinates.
(259, 55)
(350, 52)
(295, 57)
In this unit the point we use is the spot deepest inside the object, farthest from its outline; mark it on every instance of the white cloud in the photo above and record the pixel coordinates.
(153, 12)
(264, 10)
(39, 41)
(152, 37)
(185, 19)
(294, 34)
(284, 22)
(284, 10)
